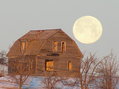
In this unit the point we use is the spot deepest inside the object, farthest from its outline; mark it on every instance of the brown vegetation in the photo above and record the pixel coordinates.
(97, 74)
(20, 71)
(108, 73)
(51, 80)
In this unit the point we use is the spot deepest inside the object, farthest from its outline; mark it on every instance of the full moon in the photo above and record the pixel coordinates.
(87, 29)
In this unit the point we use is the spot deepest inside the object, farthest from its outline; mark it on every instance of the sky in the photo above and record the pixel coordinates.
(17, 17)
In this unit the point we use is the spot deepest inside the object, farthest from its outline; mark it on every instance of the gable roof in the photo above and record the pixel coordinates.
(37, 39)
(39, 34)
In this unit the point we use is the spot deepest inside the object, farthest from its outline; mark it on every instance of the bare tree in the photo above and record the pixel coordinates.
(108, 69)
(88, 72)
(20, 67)
(87, 75)
(3, 63)
(19, 72)
(3, 57)
(51, 80)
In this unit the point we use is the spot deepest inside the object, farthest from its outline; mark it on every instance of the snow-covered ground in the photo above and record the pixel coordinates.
(3, 69)
(7, 83)
(31, 83)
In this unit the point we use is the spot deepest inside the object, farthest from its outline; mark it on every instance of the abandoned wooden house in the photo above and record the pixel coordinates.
(43, 51)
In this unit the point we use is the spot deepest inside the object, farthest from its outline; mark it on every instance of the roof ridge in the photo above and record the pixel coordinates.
(45, 30)
(40, 34)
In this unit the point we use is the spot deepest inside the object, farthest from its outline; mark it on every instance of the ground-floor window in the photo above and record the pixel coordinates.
(49, 65)
(69, 65)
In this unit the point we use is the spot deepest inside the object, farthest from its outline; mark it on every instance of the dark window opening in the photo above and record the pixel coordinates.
(49, 65)
(63, 46)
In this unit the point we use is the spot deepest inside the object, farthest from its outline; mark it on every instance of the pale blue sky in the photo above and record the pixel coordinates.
(19, 16)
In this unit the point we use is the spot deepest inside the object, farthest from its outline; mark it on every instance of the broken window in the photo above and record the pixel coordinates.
(55, 46)
(49, 65)
(63, 46)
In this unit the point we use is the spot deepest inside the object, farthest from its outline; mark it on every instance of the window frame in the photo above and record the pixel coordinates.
(64, 46)
(69, 66)
(53, 46)
(23, 46)
(47, 67)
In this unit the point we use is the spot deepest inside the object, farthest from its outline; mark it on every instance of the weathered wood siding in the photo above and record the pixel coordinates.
(40, 49)
(72, 54)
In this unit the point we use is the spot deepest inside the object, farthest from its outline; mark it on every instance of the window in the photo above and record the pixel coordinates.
(63, 46)
(23, 45)
(55, 46)
(69, 65)
(49, 65)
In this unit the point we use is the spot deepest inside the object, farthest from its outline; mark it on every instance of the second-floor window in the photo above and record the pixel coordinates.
(55, 46)
(63, 46)
(23, 46)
